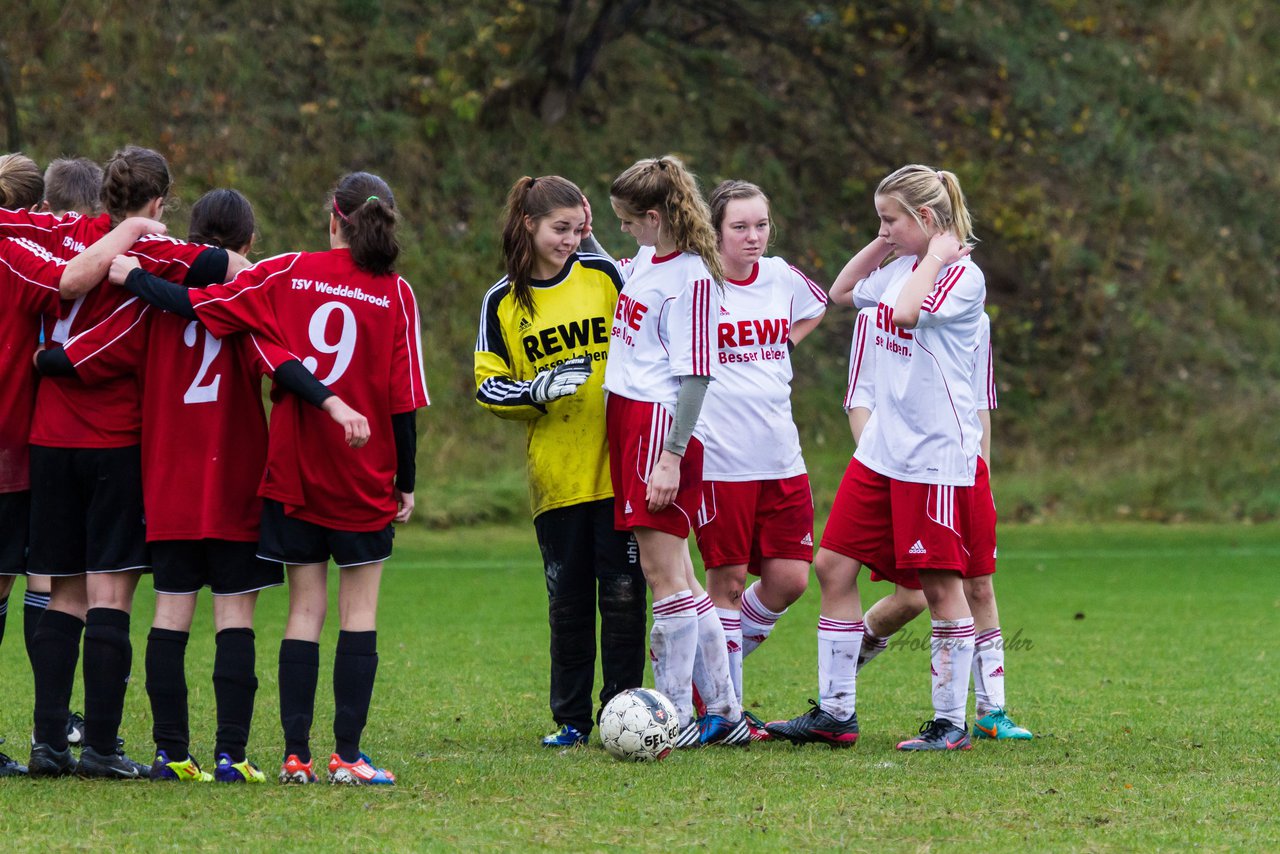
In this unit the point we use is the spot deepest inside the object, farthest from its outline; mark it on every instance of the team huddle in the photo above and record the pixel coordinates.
(656, 392)
(144, 447)
(689, 429)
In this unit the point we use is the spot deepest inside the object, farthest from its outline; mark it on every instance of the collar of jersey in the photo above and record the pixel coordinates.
(662, 259)
(558, 277)
(755, 271)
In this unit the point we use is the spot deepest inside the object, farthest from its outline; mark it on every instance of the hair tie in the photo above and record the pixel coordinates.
(532, 181)
(338, 210)
(372, 199)
(939, 174)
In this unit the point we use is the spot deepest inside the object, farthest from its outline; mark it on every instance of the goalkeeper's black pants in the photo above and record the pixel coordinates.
(588, 563)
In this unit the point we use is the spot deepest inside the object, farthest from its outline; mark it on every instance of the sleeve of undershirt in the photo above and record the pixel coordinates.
(693, 389)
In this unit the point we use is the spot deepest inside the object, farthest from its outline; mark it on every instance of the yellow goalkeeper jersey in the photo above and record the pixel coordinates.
(568, 451)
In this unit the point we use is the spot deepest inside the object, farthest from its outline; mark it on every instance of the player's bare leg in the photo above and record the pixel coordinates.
(950, 659)
(355, 667)
(299, 665)
(988, 664)
(886, 617)
(833, 719)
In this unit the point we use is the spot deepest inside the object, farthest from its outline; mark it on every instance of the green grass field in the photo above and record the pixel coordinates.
(1146, 664)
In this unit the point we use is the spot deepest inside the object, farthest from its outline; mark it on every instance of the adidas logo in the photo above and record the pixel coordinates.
(807, 541)
(733, 646)
(525, 324)
(918, 549)
(999, 671)
(724, 312)
(627, 509)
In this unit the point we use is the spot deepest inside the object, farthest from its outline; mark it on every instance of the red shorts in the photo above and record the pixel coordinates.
(636, 433)
(745, 522)
(982, 525)
(898, 528)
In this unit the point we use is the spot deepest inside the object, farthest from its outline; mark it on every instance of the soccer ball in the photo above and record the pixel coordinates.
(639, 725)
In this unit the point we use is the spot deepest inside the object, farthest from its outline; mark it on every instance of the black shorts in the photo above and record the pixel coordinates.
(226, 568)
(15, 518)
(86, 511)
(293, 541)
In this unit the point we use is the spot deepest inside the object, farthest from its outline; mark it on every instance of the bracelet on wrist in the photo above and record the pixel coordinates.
(940, 261)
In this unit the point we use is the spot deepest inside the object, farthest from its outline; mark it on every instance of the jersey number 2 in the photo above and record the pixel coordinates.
(200, 391)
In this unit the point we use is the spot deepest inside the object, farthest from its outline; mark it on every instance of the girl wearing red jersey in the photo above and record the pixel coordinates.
(35, 281)
(660, 354)
(356, 323)
(203, 452)
(757, 508)
(903, 507)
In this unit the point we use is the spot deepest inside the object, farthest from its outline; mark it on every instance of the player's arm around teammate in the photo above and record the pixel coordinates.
(757, 508)
(540, 352)
(660, 355)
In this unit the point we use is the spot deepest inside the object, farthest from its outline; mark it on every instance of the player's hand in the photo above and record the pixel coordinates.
(944, 245)
(664, 482)
(586, 209)
(404, 506)
(355, 427)
(562, 380)
(121, 267)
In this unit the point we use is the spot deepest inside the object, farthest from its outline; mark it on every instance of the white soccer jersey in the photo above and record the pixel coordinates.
(746, 418)
(924, 423)
(862, 358)
(663, 327)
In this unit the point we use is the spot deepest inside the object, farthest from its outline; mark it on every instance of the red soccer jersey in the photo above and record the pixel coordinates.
(70, 414)
(360, 335)
(66, 235)
(29, 276)
(204, 434)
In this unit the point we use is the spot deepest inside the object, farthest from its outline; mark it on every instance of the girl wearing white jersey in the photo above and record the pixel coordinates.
(757, 508)
(903, 507)
(662, 345)
(894, 611)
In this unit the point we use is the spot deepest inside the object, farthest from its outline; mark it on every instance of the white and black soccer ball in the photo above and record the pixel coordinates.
(639, 725)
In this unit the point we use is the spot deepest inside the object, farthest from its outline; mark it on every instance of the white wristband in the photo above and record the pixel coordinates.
(940, 261)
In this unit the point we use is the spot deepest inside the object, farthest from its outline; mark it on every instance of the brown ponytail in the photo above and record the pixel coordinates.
(132, 178)
(663, 184)
(534, 198)
(367, 218)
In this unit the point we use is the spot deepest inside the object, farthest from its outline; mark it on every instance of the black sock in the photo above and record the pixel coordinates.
(55, 651)
(33, 605)
(108, 658)
(299, 671)
(167, 689)
(354, 667)
(4, 616)
(234, 687)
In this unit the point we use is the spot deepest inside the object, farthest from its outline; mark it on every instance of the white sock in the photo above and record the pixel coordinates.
(711, 664)
(871, 647)
(988, 671)
(673, 643)
(757, 620)
(838, 645)
(950, 659)
(731, 622)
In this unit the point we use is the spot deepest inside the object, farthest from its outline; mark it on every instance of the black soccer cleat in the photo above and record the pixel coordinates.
(47, 762)
(110, 766)
(940, 734)
(816, 726)
(10, 767)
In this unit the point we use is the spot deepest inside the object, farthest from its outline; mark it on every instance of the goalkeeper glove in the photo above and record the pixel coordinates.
(562, 380)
